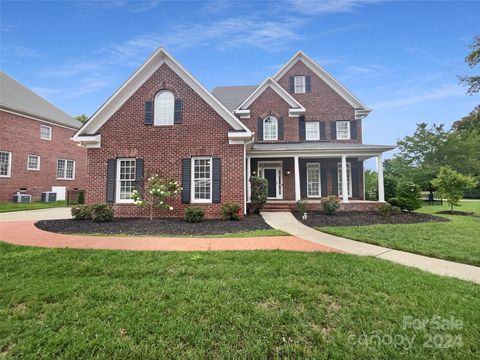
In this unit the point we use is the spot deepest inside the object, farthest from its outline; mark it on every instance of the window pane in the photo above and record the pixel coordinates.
(69, 169)
(299, 84)
(4, 163)
(164, 108)
(349, 179)
(270, 128)
(202, 179)
(60, 169)
(33, 162)
(127, 178)
(312, 130)
(343, 130)
(313, 179)
(45, 132)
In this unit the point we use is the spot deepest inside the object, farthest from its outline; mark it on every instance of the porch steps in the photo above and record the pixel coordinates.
(277, 206)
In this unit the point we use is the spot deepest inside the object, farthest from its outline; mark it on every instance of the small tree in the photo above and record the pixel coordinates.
(259, 194)
(452, 185)
(408, 196)
(155, 193)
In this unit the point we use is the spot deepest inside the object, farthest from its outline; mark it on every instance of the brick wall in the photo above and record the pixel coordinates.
(21, 136)
(202, 133)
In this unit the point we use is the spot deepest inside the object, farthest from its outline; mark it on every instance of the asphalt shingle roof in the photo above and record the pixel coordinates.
(232, 96)
(15, 96)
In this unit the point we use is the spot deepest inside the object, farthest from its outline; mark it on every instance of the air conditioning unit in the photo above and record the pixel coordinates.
(49, 196)
(22, 198)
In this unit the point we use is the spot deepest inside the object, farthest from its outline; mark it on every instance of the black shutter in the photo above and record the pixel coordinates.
(301, 130)
(353, 129)
(291, 87)
(303, 179)
(259, 129)
(355, 183)
(186, 188)
(216, 180)
(323, 181)
(148, 116)
(308, 86)
(333, 130)
(139, 174)
(111, 180)
(335, 181)
(323, 134)
(280, 128)
(178, 114)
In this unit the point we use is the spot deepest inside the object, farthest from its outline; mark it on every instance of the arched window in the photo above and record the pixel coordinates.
(164, 108)
(270, 128)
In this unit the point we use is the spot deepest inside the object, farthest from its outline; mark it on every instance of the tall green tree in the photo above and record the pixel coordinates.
(82, 118)
(473, 59)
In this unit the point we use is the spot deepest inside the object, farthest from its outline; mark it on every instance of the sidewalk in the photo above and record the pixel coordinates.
(286, 221)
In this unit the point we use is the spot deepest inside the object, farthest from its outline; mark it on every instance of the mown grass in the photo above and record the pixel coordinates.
(11, 206)
(59, 303)
(456, 240)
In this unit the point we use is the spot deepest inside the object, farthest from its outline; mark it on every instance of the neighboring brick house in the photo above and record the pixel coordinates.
(36, 150)
(301, 130)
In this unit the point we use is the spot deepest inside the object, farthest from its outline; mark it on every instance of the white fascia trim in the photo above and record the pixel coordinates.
(324, 75)
(88, 141)
(295, 106)
(138, 78)
(361, 113)
(239, 137)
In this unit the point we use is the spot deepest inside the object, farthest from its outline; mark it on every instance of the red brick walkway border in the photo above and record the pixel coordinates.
(27, 234)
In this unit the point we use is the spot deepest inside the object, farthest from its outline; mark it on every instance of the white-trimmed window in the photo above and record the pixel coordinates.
(343, 130)
(312, 130)
(5, 163)
(313, 180)
(349, 179)
(45, 132)
(299, 84)
(65, 169)
(126, 169)
(164, 108)
(202, 180)
(33, 162)
(270, 128)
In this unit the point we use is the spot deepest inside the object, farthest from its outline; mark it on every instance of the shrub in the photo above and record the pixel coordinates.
(259, 193)
(451, 185)
(330, 204)
(408, 195)
(231, 211)
(394, 202)
(82, 212)
(390, 186)
(194, 214)
(81, 197)
(102, 213)
(301, 206)
(388, 210)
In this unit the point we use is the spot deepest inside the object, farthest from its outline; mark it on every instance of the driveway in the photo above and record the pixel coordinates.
(35, 215)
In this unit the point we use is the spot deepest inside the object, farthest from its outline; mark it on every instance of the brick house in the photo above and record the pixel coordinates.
(36, 150)
(300, 129)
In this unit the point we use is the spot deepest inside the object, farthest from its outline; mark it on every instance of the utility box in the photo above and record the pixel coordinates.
(49, 196)
(22, 198)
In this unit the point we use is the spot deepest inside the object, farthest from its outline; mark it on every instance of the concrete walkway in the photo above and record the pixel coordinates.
(286, 221)
(39, 214)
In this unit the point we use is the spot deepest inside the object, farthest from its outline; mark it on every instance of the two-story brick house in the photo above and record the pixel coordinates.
(36, 150)
(300, 129)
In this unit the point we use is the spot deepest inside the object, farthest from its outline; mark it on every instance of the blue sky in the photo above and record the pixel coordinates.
(400, 58)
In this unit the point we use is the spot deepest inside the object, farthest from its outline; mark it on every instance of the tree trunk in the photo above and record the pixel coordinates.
(151, 212)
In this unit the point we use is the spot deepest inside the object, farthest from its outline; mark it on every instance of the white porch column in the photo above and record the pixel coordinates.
(249, 185)
(381, 192)
(297, 179)
(344, 179)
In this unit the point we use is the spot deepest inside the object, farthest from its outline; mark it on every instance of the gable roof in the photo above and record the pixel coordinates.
(325, 76)
(232, 96)
(270, 83)
(138, 78)
(17, 98)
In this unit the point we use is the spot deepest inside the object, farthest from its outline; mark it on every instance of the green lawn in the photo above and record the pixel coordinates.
(10, 206)
(59, 303)
(457, 240)
(240, 234)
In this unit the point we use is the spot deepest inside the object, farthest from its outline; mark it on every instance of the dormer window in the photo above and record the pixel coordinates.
(270, 128)
(299, 84)
(164, 108)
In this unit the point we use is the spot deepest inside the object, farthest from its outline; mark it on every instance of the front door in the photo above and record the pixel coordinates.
(271, 176)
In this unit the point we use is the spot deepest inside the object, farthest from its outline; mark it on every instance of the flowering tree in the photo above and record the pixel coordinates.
(155, 193)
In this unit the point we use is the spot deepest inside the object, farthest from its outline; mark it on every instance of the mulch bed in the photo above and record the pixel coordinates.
(454, 212)
(135, 226)
(359, 218)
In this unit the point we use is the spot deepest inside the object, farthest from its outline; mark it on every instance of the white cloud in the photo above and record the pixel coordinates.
(315, 7)
(12, 53)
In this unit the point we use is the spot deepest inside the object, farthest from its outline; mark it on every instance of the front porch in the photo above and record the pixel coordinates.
(310, 171)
